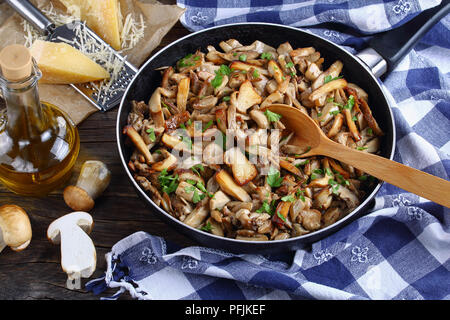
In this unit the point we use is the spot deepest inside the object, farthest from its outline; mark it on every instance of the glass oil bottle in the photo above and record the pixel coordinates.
(39, 143)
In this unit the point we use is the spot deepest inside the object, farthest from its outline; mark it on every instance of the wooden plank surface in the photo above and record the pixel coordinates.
(36, 273)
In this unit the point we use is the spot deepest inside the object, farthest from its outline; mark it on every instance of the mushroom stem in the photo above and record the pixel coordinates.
(93, 180)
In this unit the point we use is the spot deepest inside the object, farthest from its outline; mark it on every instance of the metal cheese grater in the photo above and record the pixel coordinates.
(69, 33)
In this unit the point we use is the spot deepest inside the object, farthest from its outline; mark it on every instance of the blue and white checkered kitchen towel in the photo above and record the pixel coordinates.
(401, 250)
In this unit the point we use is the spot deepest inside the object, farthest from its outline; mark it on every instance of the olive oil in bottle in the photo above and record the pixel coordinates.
(39, 143)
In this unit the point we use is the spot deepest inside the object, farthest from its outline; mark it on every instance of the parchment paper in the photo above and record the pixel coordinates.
(159, 19)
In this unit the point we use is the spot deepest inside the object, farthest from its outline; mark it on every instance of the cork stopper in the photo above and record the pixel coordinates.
(15, 62)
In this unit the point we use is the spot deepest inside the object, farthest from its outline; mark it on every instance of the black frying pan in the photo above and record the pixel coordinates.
(390, 48)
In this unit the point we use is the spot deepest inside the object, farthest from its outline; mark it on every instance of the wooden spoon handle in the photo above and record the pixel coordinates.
(404, 177)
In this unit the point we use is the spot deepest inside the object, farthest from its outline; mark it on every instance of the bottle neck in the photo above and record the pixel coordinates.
(24, 117)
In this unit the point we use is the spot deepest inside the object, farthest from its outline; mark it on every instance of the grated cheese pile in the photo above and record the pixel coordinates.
(132, 33)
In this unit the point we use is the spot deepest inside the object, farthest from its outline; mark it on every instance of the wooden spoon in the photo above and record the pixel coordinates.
(309, 135)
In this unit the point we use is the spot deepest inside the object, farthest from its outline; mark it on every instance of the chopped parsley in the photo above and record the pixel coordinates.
(370, 131)
(334, 186)
(281, 216)
(361, 148)
(198, 167)
(207, 227)
(272, 116)
(217, 81)
(350, 102)
(330, 78)
(314, 176)
(227, 98)
(334, 113)
(201, 187)
(301, 163)
(197, 197)
(299, 194)
(151, 134)
(266, 207)
(168, 183)
(289, 198)
(209, 124)
(187, 61)
(266, 55)
(224, 70)
(255, 74)
(243, 57)
(289, 65)
(273, 178)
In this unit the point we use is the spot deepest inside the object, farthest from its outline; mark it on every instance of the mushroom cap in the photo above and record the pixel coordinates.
(15, 227)
(78, 199)
(81, 219)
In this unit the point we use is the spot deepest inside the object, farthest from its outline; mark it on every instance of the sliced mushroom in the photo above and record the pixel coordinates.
(247, 97)
(243, 170)
(331, 216)
(260, 118)
(229, 186)
(198, 216)
(205, 104)
(139, 143)
(174, 143)
(322, 200)
(311, 219)
(169, 163)
(182, 93)
(369, 118)
(155, 109)
(215, 227)
(333, 71)
(290, 167)
(274, 97)
(348, 196)
(326, 88)
(219, 200)
(78, 254)
(275, 71)
(298, 206)
(242, 66)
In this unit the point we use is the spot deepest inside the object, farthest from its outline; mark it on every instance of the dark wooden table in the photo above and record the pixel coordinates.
(36, 273)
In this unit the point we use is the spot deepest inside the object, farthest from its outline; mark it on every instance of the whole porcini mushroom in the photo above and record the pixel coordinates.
(15, 228)
(78, 255)
(93, 180)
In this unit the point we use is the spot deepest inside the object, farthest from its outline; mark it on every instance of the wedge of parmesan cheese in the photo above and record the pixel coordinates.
(103, 17)
(61, 63)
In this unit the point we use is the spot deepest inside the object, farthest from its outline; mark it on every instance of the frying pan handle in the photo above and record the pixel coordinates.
(387, 49)
(33, 15)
